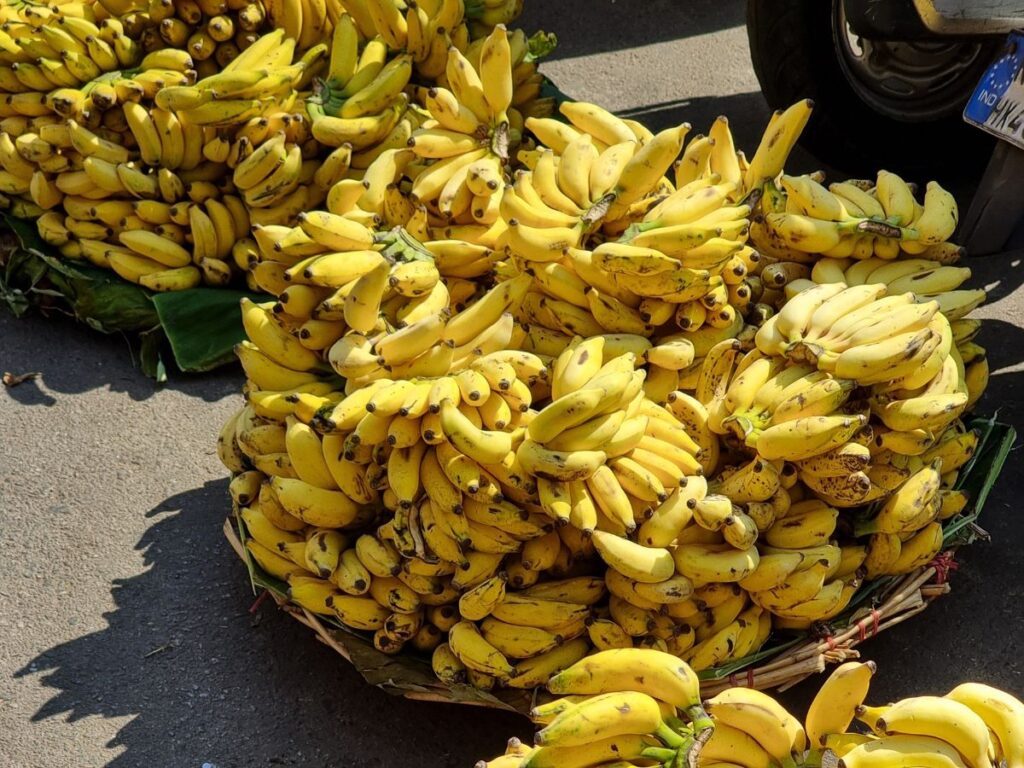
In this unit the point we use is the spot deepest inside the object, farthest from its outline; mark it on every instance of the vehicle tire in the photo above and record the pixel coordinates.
(861, 124)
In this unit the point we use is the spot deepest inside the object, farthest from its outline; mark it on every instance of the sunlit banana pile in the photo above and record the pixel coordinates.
(528, 387)
(148, 137)
(640, 707)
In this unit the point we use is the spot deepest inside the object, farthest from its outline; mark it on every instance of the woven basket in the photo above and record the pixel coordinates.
(878, 606)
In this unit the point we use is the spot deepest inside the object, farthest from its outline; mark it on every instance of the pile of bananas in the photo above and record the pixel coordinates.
(623, 708)
(526, 388)
(148, 138)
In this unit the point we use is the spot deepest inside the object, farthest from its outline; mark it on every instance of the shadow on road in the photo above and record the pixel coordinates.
(204, 680)
(73, 358)
(586, 27)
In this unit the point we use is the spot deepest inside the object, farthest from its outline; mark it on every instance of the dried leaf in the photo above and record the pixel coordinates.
(14, 379)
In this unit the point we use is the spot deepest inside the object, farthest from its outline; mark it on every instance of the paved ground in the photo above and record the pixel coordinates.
(126, 636)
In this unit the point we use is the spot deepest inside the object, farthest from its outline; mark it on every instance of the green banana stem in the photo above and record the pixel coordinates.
(679, 726)
(401, 246)
(638, 228)
(474, 9)
(700, 722)
(660, 754)
(751, 439)
(773, 199)
(742, 424)
(669, 736)
(539, 45)
(865, 528)
(813, 759)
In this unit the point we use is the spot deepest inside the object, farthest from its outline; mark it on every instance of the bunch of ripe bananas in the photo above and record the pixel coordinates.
(853, 219)
(148, 138)
(642, 707)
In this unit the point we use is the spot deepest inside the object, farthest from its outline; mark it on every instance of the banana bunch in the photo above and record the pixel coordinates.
(673, 263)
(156, 201)
(783, 411)
(447, 460)
(527, 81)
(600, 450)
(465, 149)
(59, 60)
(853, 219)
(926, 278)
(972, 725)
(621, 704)
(259, 78)
(860, 333)
(213, 32)
(591, 169)
(362, 100)
(483, 15)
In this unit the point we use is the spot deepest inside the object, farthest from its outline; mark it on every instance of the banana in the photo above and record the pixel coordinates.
(715, 562)
(803, 438)
(535, 671)
(316, 506)
(531, 611)
(733, 746)
(944, 719)
(271, 562)
(646, 167)
(518, 642)
(919, 550)
(655, 673)
(477, 603)
(1001, 713)
(772, 571)
(835, 704)
(304, 449)
(759, 715)
(806, 524)
(483, 446)
(939, 217)
(904, 506)
(644, 564)
(776, 144)
(607, 715)
(273, 340)
(617, 748)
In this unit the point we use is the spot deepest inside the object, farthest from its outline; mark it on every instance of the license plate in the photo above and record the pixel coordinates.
(997, 105)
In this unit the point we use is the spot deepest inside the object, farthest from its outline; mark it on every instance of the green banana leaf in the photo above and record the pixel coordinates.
(202, 325)
(198, 327)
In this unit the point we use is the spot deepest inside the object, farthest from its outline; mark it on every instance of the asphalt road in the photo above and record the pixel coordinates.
(125, 633)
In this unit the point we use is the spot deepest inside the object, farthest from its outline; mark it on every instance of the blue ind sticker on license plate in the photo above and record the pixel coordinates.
(997, 105)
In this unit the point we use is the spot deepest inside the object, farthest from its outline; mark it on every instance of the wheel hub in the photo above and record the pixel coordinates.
(909, 81)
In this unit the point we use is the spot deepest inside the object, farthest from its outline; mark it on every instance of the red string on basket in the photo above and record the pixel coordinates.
(862, 627)
(734, 681)
(830, 642)
(258, 602)
(944, 564)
